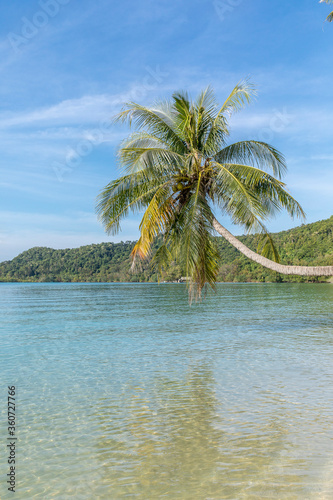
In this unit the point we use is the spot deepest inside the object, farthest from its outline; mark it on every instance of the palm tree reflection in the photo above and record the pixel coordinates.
(175, 441)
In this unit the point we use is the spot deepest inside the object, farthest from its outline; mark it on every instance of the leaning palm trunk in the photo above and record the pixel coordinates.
(274, 266)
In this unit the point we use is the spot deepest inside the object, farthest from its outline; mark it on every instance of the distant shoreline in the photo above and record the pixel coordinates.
(306, 245)
(330, 281)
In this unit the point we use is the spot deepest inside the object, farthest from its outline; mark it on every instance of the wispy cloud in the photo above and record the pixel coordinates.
(71, 111)
(26, 230)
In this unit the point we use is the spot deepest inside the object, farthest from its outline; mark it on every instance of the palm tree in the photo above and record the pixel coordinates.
(178, 169)
(329, 18)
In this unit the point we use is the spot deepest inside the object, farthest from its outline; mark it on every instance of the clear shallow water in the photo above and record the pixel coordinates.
(124, 391)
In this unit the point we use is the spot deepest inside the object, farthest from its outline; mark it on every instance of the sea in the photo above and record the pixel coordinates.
(126, 391)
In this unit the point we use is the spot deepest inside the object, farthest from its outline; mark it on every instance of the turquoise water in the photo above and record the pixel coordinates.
(124, 391)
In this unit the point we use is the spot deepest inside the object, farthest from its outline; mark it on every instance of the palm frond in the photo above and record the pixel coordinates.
(128, 193)
(206, 101)
(232, 195)
(259, 153)
(185, 119)
(205, 109)
(159, 160)
(156, 121)
(329, 18)
(242, 94)
(193, 235)
(241, 190)
(270, 191)
(155, 220)
(266, 246)
(162, 258)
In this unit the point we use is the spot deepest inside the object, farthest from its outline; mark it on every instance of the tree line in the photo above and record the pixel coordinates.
(111, 262)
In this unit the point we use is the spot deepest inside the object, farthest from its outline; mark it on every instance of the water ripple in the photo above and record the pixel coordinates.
(124, 391)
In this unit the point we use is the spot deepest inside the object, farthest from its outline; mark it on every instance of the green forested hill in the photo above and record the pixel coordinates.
(310, 244)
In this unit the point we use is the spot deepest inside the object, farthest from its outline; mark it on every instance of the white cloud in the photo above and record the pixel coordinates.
(86, 109)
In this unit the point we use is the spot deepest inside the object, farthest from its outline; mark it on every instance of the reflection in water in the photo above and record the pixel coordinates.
(169, 442)
(173, 443)
(126, 392)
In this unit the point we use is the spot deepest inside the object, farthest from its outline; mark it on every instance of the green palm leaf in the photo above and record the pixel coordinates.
(329, 18)
(259, 153)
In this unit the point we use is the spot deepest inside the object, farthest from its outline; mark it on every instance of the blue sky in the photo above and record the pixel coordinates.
(67, 67)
